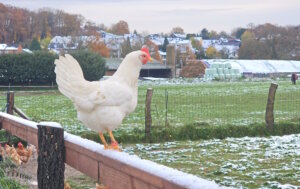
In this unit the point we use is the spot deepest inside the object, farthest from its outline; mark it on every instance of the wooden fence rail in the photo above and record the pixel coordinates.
(117, 170)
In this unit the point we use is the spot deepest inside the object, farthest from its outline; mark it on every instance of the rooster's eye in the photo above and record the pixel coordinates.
(144, 56)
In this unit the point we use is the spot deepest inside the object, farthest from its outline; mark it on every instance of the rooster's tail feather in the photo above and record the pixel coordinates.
(69, 76)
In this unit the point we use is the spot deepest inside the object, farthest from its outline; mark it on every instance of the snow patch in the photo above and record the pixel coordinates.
(19, 120)
(50, 124)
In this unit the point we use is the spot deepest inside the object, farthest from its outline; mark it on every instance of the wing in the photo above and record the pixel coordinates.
(69, 78)
(116, 93)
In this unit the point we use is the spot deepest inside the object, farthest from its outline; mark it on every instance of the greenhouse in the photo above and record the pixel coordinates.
(232, 68)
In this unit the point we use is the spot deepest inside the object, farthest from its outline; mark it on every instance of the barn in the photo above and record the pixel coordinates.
(152, 69)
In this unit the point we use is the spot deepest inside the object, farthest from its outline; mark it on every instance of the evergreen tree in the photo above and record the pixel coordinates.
(240, 32)
(190, 35)
(126, 47)
(204, 34)
(35, 45)
(164, 47)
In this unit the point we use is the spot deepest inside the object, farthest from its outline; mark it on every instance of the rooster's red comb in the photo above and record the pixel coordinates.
(145, 49)
(20, 144)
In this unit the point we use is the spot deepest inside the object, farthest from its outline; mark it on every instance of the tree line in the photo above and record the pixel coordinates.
(268, 41)
(21, 26)
(265, 41)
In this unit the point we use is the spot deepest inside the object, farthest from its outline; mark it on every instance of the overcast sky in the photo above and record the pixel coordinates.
(157, 16)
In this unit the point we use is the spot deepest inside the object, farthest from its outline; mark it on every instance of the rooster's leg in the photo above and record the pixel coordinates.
(103, 140)
(114, 144)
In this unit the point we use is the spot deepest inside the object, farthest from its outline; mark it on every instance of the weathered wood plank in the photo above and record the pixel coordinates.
(138, 184)
(114, 178)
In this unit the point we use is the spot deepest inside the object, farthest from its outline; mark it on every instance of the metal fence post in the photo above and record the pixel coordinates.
(148, 118)
(51, 156)
(269, 116)
(167, 101)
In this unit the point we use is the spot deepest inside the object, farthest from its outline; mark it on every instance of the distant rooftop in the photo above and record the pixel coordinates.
(3, 46)
(113, 64)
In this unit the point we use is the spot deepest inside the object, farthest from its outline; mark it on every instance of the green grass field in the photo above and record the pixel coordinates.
(215, 103)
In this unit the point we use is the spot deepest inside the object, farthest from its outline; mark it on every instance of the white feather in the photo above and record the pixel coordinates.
(100, 105)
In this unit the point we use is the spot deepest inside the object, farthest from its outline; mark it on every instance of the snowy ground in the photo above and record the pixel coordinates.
(239, 162)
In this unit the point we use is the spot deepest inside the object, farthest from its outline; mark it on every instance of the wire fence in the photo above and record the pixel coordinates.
(179, 108)
(171, 106)
(3, 103)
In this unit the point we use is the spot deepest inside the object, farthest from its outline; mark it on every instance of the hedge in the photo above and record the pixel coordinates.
(38, 68)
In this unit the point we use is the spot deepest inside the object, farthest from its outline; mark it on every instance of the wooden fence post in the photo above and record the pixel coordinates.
(269, 117)
(51, 156)
(148, 118)
(10, 102)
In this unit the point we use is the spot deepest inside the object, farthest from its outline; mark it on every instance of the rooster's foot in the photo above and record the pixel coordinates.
(101, 186)
(106, 147)
(115, 146)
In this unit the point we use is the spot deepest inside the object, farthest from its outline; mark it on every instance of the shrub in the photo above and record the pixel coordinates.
(38, 68)
(92, 64)
(27, 69)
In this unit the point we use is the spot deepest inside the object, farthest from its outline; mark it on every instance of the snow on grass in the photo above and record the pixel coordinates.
(237, 162)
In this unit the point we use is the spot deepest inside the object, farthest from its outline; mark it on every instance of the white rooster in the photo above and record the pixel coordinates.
(102, 105)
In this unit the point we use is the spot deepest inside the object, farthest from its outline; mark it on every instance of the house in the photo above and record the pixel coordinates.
(59, 43)
(179, 40)
(229, 46)
(5, 49)
(178, 35)
(113, 42)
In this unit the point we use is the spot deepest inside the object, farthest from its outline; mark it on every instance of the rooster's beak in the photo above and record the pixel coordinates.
(150, 59)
